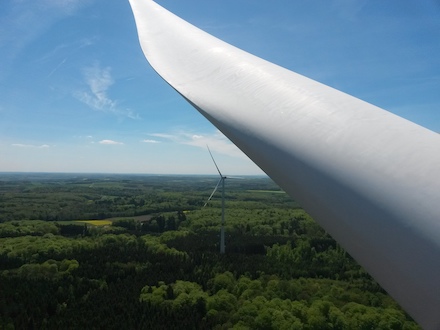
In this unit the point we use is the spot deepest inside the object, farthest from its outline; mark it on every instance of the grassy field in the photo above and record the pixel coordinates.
(105, 222)
(96, 222)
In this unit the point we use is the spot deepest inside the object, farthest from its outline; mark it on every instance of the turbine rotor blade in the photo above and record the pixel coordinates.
(370, 178)
(213, 192)
(212, 157)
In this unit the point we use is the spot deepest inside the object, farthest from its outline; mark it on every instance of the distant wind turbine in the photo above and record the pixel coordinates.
(222, 182)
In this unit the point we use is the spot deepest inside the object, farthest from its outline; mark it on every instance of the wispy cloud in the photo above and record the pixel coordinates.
(57, 67)
(163, 136)
(110, 142)
(150, 141)
(24, 21)
(348, 9)
(20, 145)
(67, 7)
(216, 141)
(99, 80)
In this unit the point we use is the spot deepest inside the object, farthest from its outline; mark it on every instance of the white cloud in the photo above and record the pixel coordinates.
(111, 142)
(150, 141)
(217, 142)
(99, 80)
(163, 136)
(20, 145)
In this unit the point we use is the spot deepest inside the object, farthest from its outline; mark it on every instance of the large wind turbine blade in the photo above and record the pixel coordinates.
(213, 192)
(370, 178)
(212, 157)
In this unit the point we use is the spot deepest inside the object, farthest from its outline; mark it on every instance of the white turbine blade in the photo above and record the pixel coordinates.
(212, 157)
(213, 192)
(370, 178)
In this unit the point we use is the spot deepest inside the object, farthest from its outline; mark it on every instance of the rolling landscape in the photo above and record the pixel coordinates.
(108, 251)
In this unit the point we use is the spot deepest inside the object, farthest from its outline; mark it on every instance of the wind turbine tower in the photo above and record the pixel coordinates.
(222, 182)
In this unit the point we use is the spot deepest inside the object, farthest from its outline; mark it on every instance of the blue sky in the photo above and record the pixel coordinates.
(77, 95)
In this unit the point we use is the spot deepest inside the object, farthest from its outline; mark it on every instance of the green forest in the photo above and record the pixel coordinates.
(101, 251)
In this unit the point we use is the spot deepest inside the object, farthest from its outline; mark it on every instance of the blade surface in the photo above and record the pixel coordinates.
(370, 178)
